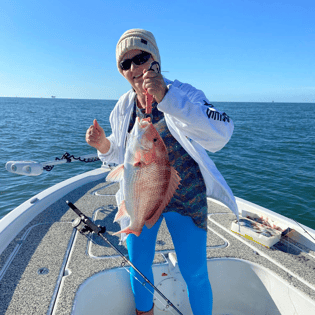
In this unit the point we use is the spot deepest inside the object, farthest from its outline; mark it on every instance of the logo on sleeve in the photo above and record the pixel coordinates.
(214, 114)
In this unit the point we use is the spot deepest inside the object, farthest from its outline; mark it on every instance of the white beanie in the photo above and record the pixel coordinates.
(137, 39)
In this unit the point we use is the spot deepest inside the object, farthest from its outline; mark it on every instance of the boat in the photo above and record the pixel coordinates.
(53, 96)
(49, 266)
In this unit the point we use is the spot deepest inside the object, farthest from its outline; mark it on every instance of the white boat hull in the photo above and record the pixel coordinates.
(255, 290)
(246, 278)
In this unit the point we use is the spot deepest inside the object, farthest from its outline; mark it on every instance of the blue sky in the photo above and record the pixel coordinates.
(233, 50)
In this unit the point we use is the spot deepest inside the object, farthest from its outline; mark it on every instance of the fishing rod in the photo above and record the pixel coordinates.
(304, 229)
(85, 226)
(31, 168)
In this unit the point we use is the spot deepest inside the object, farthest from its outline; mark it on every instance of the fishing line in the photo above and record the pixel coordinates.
(123, 265)
(144, 285)
(85, 226)
(304, 229)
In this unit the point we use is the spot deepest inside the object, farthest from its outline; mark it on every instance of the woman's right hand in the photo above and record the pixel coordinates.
(96, 138)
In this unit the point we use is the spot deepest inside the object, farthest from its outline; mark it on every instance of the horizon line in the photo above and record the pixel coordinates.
(104, 99)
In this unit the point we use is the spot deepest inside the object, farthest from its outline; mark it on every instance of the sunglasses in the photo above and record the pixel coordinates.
(137, 60)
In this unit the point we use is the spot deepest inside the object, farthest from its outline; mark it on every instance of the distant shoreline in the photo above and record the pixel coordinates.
(101, 99)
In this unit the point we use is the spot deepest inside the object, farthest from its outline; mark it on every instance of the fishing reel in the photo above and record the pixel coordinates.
(80, 224)
(83, 224)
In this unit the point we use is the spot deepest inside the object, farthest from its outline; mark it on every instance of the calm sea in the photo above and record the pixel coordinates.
(270, 159)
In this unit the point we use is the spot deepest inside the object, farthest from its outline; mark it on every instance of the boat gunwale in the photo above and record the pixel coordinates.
(14, 222)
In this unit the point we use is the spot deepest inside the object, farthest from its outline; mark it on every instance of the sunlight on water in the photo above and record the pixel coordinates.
(269, 160)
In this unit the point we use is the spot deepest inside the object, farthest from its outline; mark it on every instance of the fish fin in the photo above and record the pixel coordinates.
(173, 185)
(116, 174)
(127, 230)
(122, 211)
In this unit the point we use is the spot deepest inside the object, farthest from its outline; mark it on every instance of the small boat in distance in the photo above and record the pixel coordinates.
(53, 96)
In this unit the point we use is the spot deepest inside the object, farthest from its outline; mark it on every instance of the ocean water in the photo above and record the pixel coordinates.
(270, 159)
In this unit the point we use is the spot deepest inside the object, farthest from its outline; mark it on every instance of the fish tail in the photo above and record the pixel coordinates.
(128, 231)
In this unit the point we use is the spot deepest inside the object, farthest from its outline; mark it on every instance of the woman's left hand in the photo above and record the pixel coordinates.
(154, 83)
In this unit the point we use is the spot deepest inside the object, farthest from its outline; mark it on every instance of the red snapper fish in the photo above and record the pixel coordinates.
(148, 180)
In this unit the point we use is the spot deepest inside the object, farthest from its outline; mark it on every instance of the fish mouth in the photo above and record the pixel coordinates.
(141, 124)
(138, 130)
(145, 122)
(137, 133)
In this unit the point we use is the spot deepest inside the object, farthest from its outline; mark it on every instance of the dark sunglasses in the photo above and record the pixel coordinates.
(137, 60)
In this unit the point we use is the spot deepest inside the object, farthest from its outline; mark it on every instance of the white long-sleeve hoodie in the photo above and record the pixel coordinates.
(193, 122)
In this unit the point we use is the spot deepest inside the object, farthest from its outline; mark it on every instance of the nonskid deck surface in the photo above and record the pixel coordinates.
(43, 267)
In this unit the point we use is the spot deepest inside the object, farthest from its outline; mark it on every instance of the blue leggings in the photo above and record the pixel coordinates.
(190, 246)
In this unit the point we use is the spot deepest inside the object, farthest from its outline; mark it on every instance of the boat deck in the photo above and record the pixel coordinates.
(43, 267)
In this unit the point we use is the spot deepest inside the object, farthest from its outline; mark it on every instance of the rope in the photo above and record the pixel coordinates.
(69, 159)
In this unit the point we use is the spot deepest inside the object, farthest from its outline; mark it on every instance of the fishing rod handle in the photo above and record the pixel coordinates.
(99, 230)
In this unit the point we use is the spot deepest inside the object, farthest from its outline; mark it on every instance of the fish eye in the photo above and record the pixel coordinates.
(155, 139)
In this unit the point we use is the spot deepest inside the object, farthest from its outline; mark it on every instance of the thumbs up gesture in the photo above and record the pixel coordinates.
(96, 138)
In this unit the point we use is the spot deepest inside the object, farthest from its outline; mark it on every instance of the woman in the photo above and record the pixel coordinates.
(188, 124)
